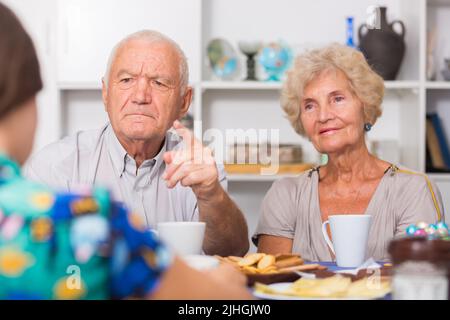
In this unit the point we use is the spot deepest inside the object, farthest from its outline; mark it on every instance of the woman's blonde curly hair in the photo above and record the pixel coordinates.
(365, 83)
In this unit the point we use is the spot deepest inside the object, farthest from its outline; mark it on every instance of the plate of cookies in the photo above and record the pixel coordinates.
(331, 288)
(268, 268)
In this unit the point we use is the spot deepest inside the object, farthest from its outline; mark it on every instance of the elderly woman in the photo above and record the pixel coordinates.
(333, 97)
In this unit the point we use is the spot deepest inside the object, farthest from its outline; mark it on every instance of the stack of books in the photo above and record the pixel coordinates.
(437, 153)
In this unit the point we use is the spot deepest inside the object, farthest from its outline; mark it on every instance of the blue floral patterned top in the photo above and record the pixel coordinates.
(72, 245)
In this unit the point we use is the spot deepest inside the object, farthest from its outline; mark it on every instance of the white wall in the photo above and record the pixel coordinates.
(38, 17)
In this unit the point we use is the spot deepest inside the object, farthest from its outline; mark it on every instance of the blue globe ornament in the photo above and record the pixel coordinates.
(223, 58)
(226, 67)
(275, 59)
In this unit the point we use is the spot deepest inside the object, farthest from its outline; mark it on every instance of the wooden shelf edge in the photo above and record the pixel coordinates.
(256, 169)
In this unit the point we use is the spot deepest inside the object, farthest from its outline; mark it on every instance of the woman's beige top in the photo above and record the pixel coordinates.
(291, 209)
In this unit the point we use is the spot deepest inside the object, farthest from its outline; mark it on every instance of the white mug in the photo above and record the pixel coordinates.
(350, 234)
(185, 238)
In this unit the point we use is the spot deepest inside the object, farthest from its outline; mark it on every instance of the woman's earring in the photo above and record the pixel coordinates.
(367, 126)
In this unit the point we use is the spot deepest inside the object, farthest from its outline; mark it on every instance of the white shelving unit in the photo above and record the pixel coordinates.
(261, 85)
(240, 85)
(256, 178)
(82, 32)
(437, 97)
(73, 86)
(438, 85)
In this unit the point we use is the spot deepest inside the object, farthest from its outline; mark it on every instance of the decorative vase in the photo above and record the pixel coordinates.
(383, 47)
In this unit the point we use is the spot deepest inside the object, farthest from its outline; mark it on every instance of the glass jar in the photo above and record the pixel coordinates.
(421, 268)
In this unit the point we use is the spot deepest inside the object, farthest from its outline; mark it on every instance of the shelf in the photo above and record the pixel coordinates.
(257, 178)
(402, 84)
(438, 85)
(439, 176)
(79, 85)
(271, 178)
(241, 85)
(262, 85)
(252, 172)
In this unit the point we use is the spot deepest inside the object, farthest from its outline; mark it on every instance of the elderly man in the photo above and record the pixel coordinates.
(160, 175)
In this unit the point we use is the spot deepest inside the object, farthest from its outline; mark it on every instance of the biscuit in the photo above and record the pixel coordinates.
(250, 259)
(267, 261)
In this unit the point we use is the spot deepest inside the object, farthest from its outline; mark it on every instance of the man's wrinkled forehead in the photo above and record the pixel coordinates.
(140, 56)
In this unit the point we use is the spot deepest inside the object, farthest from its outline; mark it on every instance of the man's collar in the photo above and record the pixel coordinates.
(116, 150)
(159, 159)
(119, 154)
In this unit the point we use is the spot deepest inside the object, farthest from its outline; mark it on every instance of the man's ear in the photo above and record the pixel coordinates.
(104, 93)
(187, 99)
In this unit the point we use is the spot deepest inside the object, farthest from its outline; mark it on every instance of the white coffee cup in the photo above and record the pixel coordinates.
(350, 234)
(185, 238)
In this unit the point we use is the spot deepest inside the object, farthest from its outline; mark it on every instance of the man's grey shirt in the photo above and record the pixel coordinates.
(96, 157)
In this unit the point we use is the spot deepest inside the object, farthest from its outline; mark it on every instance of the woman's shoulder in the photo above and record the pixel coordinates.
(416, 191)
(407, 177)
(25, 197)
(404, 181)
(32, 199)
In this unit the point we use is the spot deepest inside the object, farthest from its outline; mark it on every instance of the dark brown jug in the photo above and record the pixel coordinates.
(383, 47)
